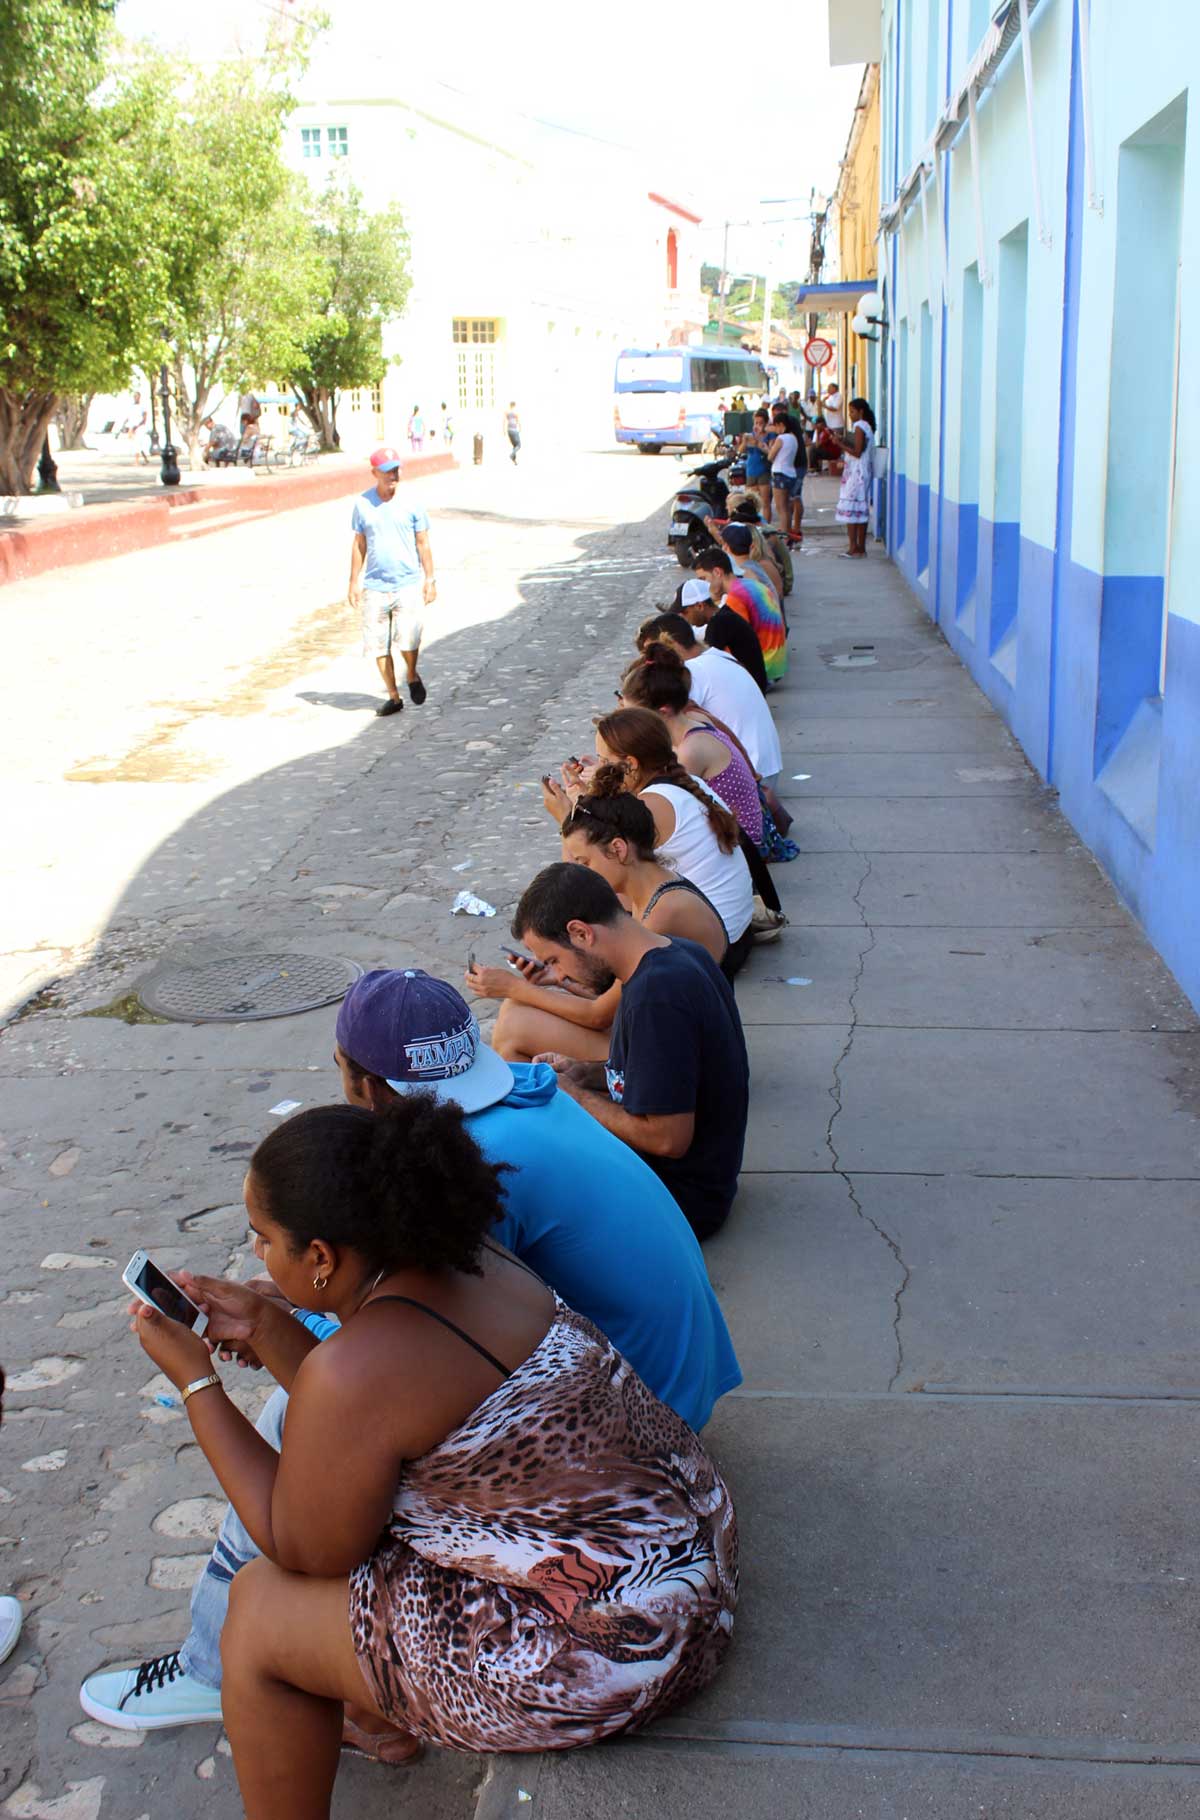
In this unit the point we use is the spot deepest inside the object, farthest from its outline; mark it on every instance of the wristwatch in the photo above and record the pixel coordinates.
(189, 1390)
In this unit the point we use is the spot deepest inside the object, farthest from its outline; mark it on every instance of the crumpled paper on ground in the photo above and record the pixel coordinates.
(467, 904)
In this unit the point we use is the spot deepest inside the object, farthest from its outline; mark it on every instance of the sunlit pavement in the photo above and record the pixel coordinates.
(959, 1273)
(140, 689)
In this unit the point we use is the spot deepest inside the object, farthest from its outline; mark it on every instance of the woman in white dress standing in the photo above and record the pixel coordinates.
(854, 500)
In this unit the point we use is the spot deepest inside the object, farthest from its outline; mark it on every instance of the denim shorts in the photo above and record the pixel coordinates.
(783, 483)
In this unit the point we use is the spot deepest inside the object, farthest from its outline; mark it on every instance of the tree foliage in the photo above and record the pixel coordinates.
(245, 272)
(80, 277)
(367, 285)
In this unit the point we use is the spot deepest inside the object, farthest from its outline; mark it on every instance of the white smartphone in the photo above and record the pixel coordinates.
(152, 1286)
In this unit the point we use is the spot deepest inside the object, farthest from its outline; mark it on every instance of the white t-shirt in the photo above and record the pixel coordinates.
(695, 853)
(785, 455)
(832, 412)
(720, 684)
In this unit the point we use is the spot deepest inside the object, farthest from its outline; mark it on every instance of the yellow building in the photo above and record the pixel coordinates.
(856, 213)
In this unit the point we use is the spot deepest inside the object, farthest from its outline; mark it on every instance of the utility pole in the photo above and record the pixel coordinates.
(724, 282)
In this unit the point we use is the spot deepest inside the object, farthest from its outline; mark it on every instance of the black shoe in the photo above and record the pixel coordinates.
(390, 706)
(417, 691)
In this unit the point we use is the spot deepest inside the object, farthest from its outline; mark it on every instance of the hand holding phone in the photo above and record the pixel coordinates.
(155, 1288)
(522, 963)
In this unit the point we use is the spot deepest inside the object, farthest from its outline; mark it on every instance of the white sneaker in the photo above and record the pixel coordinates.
(11, 1614)
(150, 1698)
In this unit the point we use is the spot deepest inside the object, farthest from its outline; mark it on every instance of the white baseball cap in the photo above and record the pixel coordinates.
(694, 592)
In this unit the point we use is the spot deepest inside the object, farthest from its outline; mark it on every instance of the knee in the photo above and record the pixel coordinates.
(506, 1036)
(247, 1624)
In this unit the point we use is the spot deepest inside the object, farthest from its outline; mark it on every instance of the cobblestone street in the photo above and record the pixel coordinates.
(959, 1274)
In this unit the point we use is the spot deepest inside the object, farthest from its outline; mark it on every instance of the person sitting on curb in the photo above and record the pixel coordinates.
(482, 1530)
(753, 600)
(613, 833)
(616, 1247)
(720, 685)
(738, 541)
(662, 681)
(390, 553)
(693, 829)
(676, 1083)
(724, 630)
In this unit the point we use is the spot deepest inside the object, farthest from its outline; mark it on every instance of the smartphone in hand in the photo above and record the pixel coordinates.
(154, 1287)
(515, 957)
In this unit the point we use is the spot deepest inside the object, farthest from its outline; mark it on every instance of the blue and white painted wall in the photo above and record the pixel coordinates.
(1043, 402)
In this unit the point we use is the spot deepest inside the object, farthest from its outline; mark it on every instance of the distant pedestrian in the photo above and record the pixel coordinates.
(512, 425)
(854, 500)
(390, 554)
(447, 426)
(833, 408)
(249, 412)
(416, 430)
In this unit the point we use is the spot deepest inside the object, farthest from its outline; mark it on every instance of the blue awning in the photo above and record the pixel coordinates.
(840, 296)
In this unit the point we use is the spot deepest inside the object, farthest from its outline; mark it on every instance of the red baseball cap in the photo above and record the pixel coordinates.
(385, 459)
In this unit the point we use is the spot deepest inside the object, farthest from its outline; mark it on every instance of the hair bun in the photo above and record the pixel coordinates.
(606, 780)
(657, 653)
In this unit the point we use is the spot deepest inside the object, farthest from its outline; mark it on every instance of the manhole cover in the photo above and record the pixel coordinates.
(242, 987)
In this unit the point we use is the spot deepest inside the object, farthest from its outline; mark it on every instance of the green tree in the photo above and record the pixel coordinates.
(366, 264)
(245, 273)
(80, 277)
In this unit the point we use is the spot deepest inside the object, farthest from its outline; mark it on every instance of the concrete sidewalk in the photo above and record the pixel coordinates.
(959, 1274)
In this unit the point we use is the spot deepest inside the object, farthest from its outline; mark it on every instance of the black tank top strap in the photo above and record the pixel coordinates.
(452, 1325)
(510, 1257)
(683, 884)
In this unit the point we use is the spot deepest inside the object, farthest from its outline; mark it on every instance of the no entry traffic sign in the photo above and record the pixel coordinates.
(818, 352)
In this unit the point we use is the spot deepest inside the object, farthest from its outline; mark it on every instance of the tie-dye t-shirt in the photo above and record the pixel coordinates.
(755, 602)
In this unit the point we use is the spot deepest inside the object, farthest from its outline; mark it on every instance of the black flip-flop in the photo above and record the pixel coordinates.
(417, 691)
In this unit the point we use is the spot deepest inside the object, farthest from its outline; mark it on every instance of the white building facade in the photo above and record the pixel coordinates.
(535, 256)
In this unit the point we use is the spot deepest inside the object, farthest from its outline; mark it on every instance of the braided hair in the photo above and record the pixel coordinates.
(642, 735)
(407, 1188)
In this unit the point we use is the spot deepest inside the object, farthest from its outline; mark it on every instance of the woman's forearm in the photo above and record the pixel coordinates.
(282, 1343)
(244, 1463)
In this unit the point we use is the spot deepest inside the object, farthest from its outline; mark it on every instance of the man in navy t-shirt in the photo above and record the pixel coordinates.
(677, 1080)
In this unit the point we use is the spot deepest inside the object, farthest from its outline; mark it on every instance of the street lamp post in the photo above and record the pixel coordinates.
(170, 467)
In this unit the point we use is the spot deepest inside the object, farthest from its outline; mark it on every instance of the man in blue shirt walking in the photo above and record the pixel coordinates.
(390, 555)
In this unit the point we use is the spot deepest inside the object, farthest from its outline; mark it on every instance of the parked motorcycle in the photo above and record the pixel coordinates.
(708, 498)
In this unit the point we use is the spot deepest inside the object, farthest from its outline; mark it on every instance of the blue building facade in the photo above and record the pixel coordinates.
(1039, 220)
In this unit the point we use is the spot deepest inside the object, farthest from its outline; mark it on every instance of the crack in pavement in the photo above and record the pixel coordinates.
(835, 1094)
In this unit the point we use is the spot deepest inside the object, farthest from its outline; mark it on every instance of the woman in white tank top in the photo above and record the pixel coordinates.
(694, 851)
(694, 830)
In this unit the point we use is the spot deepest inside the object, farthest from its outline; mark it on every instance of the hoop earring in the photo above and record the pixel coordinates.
(320, 1282)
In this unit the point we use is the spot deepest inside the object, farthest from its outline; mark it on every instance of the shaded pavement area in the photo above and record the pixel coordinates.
(960, 1273)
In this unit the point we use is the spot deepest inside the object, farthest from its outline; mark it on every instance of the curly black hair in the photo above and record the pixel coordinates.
(407, 1187)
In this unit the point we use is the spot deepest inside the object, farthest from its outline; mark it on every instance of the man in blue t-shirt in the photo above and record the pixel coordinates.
(676, 1084)
(390, 555)
(580, 1209)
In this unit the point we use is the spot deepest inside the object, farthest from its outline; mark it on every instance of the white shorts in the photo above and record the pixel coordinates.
(392, 622)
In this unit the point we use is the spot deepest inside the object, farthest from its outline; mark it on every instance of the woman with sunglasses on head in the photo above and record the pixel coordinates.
(611, 833)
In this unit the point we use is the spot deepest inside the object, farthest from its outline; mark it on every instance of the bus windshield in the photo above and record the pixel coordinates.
(664, 372)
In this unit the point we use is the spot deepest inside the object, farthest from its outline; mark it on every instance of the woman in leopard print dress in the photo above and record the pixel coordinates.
(482, 1529)
(562, 1567)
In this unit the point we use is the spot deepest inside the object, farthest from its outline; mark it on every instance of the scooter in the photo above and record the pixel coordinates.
(707, 499)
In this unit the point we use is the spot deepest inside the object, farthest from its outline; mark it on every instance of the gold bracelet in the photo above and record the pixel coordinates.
(189, 1390)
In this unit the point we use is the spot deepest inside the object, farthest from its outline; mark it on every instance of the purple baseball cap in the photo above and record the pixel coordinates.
(420, 1035)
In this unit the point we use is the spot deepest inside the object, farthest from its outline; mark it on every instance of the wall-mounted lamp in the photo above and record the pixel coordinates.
(870, 314)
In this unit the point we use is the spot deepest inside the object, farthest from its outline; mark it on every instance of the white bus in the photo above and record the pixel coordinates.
(676, 397)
